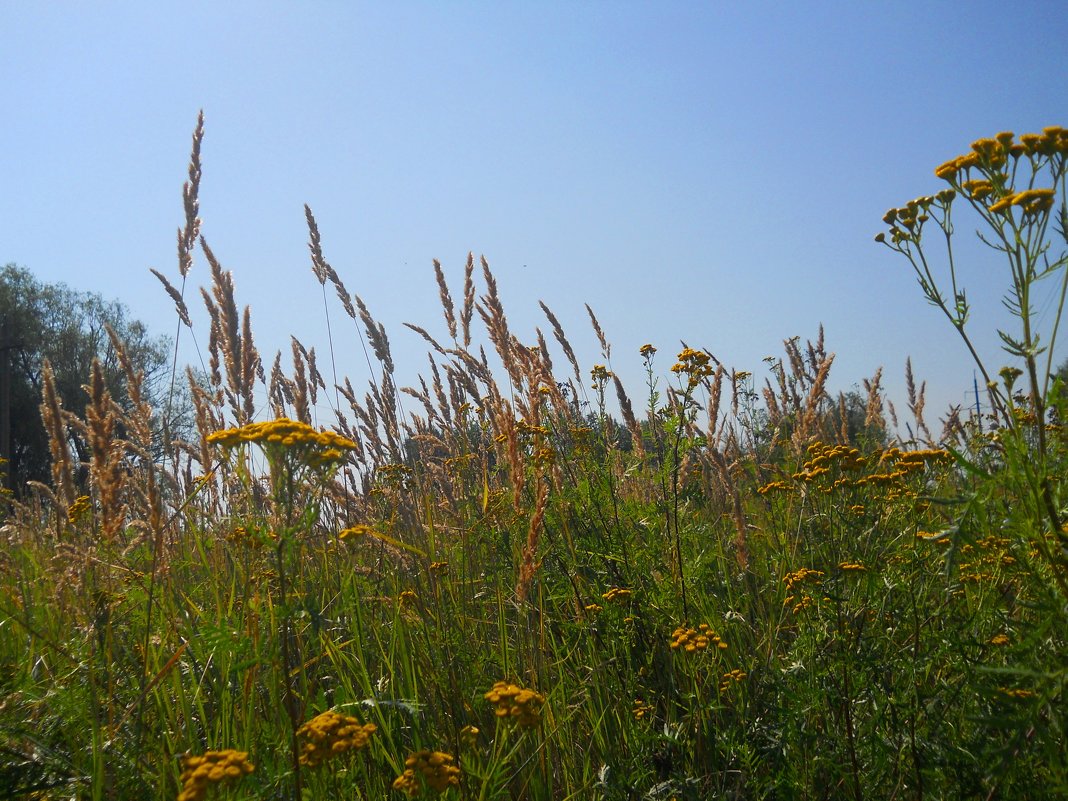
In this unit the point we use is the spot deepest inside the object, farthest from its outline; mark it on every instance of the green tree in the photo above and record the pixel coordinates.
(41, 321)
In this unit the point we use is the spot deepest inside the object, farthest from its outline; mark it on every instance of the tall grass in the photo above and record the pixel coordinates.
(485, 587)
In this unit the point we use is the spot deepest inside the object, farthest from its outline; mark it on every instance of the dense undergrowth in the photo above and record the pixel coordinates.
(742, 591)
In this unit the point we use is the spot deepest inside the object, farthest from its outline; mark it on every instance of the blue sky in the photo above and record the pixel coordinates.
(707, 172)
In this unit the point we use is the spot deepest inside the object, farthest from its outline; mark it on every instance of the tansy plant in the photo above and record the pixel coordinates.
(299, 458)
(1018, 189)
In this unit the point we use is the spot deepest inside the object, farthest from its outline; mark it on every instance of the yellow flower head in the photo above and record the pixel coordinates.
(200, 772)
(331, 734)
(516, 703)
(284, 437)
(436, 769)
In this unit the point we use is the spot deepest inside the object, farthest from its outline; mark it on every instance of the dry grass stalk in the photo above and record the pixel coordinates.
(873, 410)
(469, 299)
(530, 564)
(812, 412)
(301, 408)
(492, 313)
(446, 300)
(917, 400)
(558, 332)
(138, 425)
(58, 443)
(106, 464)
(232, 338)
(187, 236)
(606, 349)
(176, 296)
(627, 410)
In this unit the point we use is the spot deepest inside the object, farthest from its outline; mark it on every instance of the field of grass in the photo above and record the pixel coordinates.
(488, 587)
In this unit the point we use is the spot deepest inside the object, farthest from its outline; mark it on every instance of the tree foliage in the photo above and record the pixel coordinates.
(68, 328)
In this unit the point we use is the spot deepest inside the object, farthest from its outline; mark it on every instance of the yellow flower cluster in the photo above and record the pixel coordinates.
(617, 595)
(800, 576)
(515, 702)
(999, 639)
(316, 448)
(734, 677)
(854, 567)
(985, 559)
(469, 735)
(200, 772)
(641, 709)
(329, 735)
(1032, 201)
(600, 375)
(694, 363)
(647, 351)
(79, 509)
(436, 768)
(993, 154)
(796, 579)
(692, 640)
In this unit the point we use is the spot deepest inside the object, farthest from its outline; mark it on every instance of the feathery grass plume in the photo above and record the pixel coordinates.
(176, 296)
(58, 443)
(376, 336)
(715, 396)
(629, 419)
(232, 338)
(444, 412)
(892, 412)
(425, 335)
(843, 417)
(917, 400)
(491, 311)
(446, 300)
(810, 415)
(106, 468)
(469, 299)
(138, 426)
(558, 332)
(187, 236)
(529, 563)
(873, 410)
(301, 410)
(606, 349)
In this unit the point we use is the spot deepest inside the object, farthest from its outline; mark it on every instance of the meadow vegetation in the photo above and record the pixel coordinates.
(485, 586)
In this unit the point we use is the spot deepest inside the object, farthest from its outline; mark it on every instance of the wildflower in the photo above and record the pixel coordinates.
(616, 594)
(79, 509)
(435, 768)
(693, 363)
(734, 677)
(515, 702)
(600, 375)
(693, 640)
(469, 735)
(647, 351)
(283, 437)
(855, 567)
(329, 735)
(594, 608)
(408, 597)
(999, 639)
(641, 709)
(200, 772)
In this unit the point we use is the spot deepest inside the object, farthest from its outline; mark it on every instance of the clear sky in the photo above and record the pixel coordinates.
(709, 172)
